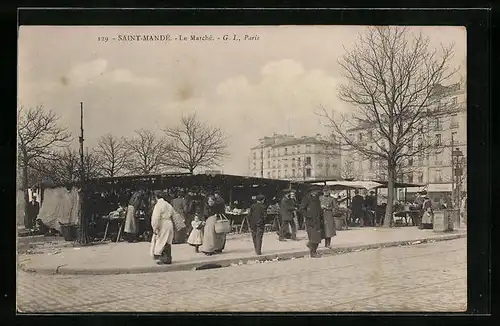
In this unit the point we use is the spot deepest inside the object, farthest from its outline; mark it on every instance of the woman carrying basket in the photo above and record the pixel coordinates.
(213, 242)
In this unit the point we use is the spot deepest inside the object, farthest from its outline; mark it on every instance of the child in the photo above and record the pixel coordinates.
(196, 236)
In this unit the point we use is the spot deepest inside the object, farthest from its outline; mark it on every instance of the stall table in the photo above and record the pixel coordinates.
(407, 215)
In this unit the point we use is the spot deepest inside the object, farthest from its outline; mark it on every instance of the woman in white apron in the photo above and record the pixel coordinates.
(163, 230)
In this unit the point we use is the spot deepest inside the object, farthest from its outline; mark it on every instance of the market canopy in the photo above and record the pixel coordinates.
(360, 184)
(182, 180)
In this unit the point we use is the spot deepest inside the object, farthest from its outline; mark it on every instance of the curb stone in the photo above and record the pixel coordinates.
(265, 258)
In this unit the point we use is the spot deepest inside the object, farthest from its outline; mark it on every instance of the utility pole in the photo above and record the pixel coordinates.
(262, 161)
(453, 195)
(83, 238)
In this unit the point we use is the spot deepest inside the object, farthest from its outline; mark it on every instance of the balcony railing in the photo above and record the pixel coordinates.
(454, 125)
(438, 162)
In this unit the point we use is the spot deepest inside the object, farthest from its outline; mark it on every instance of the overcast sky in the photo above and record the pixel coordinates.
(248, 88)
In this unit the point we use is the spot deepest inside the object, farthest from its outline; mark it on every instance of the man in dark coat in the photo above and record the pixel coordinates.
(357, 207)
(370, 205)
(311, 208)
(257, 220)
(287, 209)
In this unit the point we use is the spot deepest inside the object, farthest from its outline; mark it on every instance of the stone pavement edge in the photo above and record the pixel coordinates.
(133, 258)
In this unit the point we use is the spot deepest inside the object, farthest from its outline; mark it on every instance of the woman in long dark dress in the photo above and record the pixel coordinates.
(213, 242)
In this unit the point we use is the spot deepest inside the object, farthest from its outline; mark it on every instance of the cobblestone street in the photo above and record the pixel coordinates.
(425, 277)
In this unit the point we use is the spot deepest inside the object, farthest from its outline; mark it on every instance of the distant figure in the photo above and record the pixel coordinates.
(257, 220)
(33, 210)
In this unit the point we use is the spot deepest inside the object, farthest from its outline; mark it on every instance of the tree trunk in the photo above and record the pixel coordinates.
(191, 170)
(27, 222)
(391, 172)
(83, 237)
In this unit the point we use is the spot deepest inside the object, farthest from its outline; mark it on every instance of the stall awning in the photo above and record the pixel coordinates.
(342, 185)
(439, 187)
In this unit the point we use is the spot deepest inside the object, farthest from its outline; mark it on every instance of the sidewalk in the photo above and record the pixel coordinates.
(133, 258)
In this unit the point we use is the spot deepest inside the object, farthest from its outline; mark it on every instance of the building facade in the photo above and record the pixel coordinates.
(290, 158)
(447, 128)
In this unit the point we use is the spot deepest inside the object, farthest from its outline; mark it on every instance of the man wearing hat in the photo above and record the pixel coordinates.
(357, 208)
(311, 208)
(256, 220)
(329, 206)
(287, 208)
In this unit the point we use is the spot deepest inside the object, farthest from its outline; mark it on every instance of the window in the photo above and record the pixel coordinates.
(437, 124)
(308, 172)
(286, 173)
(293, 172)
(420, 178)
(454, 138)
(454, 101)
(360, 137)
(298, 162)
(293, 162)
(269, 175)
(371, 164)
(370, 135)
(437, 176)
(268, 153)
(279, 173)
(298, 149)
(274, 174)
(308, 148)
(268, 164)
(438, 139)
(410, 162)
(286, 151)
(308, 160)
(410, 178)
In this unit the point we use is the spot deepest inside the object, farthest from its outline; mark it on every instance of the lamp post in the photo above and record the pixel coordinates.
(457, 168)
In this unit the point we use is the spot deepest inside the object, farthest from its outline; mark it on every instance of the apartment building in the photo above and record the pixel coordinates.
(290, 158)
(448, 127)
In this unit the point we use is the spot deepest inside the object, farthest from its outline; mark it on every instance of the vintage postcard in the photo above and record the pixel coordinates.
(242, 169)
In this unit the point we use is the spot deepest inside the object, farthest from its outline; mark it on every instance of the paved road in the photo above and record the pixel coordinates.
(426, 277)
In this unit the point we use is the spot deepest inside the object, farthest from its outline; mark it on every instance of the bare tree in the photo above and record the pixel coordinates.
(147, 152)
(39, 133)
(393, 79)
(195, 144)
(348, 170)
(112, 153)
(65, 168)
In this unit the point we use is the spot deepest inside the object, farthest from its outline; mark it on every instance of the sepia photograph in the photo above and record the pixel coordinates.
(287, 168)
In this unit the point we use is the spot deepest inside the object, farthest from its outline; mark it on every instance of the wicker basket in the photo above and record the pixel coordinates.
(222, 224)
